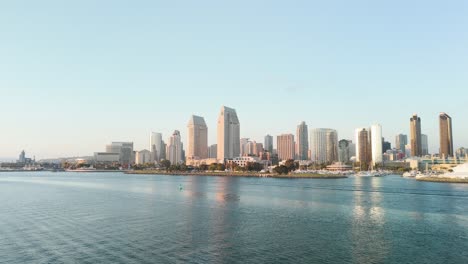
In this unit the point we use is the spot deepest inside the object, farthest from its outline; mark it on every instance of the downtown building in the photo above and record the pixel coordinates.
(143, 157)
(323, 145)
(302, 143)
(197, 141)
(376, 144)
(228, 134)
(369, 145)
(400, 142)
(124, 150)
(345, 150)
(446, 136)
(415, 136)
(157, 147)
(286, 147)
(175, 152)
(363, 146)
(268, 143)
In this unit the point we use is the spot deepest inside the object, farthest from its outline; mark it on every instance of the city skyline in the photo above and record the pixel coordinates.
(89, 78)
(184, 134)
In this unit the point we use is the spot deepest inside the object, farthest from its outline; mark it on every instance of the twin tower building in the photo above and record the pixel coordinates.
(228, 146)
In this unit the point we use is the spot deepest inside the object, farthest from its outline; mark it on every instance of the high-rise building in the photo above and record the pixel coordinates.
(228, 134)
(213, 151)
(363, 146)
(285, 145)
(415, 136)
(156, 147)
(446, 136)
(175, 149)
(243, 146)
(424, 145)
(400, 142)
(323, 145)
(124, 149)
(386, 146)
(376, 144)
(268, 143)
(344, 150)
(302, 143)
(197, 138)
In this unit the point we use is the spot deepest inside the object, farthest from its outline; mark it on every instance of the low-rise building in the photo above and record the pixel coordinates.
(106, 157)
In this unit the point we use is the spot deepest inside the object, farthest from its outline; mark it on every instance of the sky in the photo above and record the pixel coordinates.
(77, 75)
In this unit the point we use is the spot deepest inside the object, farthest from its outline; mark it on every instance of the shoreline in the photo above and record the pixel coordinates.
(442, 180)
(228, 174)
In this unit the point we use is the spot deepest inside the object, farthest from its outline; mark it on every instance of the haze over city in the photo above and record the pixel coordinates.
(78, 76)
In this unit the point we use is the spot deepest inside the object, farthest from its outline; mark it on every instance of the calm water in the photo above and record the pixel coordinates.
(117, 218)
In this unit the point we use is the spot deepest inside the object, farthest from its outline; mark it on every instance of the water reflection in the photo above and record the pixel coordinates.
(369, 244)
(226, 219)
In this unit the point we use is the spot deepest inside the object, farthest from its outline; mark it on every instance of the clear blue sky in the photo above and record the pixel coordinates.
(75, 75)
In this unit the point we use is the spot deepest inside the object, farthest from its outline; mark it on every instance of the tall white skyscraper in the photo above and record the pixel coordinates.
(156, 146)
(376, 144)
(197, 138)
(323, 145)
(268, 143)
(302, 142)
(228, 134)
(174, 149)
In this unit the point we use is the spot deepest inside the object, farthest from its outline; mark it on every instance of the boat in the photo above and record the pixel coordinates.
(411, 174)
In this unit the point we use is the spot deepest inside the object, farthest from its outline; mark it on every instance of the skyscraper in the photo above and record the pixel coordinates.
(156, 146)
(213, 151)
(285, 145)
(228, 134)
(324, 145)
(424, 145)
(446, 137)
(269, 143)
(363, 146)
(400, 142)
(344, 150)
(243, 146)
(175, 149)
(302, 144)
(376, 144)
(415, 134)
(197, 138)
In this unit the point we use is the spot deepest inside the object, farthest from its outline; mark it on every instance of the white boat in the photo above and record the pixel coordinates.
(364, 174)
(411, 174)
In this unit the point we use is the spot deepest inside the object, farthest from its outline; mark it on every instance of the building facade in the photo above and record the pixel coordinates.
(125, 151)
(446, 135)
(415, 136)
(175, 149)
(424, 145)
(228, 134)
(197, 141)
(376, 144)
(344, 151)
(143, 157)
(286, 146)
(213, 151)
(363, 146)
(156, 146)
(302, 143)
(268, 144)
(400, 142)
(323, 145)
